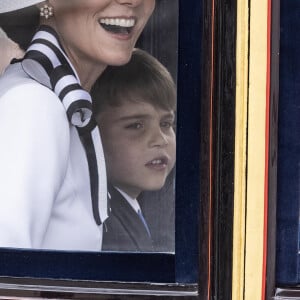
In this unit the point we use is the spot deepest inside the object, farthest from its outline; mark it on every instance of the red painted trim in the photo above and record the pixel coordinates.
(266, 184)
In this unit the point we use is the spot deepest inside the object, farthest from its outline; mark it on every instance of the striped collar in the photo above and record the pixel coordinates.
(46, 62)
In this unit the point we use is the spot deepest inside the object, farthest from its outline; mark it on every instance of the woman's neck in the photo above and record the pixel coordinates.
(87, 70)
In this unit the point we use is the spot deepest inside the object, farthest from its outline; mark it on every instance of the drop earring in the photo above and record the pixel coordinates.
(46, 11)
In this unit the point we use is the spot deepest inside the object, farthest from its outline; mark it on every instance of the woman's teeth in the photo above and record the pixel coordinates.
(118, 22)
(117, 25)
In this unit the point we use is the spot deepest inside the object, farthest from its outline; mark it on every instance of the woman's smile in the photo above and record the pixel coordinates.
(121, 26)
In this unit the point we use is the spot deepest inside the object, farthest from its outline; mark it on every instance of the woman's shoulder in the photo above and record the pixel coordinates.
(14, 77)
(17, 87)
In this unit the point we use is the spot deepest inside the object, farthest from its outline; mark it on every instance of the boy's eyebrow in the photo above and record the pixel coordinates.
(169, 115)
(144, 116)
(134, 116)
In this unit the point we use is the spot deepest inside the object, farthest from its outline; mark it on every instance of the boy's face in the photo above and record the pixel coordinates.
(139, 146)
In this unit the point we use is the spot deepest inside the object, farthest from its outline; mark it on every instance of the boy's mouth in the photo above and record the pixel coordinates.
(160, 162)
(118, 25)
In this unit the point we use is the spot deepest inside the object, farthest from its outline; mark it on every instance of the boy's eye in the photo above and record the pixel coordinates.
(136, 125)
(167, 124)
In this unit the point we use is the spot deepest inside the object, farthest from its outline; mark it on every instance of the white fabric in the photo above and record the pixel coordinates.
(78, 115)
(48, 52)
(11, 5)
(103, 211)
(61, 84)
(45, 200)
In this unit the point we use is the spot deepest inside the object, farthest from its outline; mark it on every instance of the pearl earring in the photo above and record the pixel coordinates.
(46, 11)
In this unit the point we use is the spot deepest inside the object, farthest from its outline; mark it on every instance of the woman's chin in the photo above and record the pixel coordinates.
(119, 60)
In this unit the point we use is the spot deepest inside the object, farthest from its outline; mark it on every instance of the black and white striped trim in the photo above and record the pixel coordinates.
(46, 62)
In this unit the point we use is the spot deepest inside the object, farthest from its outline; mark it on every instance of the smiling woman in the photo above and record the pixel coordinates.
(46, 114)
(98, 45)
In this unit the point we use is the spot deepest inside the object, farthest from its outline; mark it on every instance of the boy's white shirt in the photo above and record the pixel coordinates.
(133, 202)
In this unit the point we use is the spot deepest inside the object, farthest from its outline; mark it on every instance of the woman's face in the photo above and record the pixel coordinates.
(100, 31)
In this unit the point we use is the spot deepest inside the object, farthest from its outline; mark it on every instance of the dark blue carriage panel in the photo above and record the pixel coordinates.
(288, 185)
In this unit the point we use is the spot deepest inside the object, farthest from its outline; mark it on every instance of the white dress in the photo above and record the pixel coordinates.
(45, 200)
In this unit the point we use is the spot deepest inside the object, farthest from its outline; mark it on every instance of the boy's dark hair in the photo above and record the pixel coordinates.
(144, 79)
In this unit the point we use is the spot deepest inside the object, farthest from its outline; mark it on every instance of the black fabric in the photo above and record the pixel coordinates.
(54, 49)
(124, 230)
(87, 142)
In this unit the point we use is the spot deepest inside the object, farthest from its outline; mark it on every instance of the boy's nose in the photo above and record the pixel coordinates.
(130, 2)
(158, 139)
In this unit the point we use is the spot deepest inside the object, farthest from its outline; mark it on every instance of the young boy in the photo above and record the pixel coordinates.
(135, 109)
